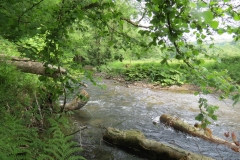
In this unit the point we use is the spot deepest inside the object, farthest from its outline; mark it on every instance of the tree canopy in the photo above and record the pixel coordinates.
(57, 31)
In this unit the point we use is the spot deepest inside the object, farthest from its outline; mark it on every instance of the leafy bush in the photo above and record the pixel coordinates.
(159, 74)
(231, 64)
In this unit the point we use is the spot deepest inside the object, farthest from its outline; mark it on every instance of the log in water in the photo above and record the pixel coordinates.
(134, 139)
(179, 125)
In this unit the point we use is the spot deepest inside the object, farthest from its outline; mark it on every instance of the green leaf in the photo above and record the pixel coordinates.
(164, 61)
(208, 16)
(211, 45)
(199, 117)
(232, 89)
(110, 43)
(199, 41)
(221, 31)
(195, 52)
(198, 62)
(213, 3)
(202, 4)
(236, 98)
(193, 5)
(203, 36)
(236, 17)
(214, 24)
(214, 117)
(160, 42)
(196, 93)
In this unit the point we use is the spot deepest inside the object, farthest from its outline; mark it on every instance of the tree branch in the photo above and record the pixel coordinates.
(35, 4)
(144, 13)
(92, 5)
(134, 23)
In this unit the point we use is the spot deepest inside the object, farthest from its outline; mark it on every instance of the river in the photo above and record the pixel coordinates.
(136, 108)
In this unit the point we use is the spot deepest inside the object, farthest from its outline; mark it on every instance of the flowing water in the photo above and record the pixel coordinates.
(136, 108)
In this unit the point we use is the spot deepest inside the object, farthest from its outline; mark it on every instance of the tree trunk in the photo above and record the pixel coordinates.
(78, 102)
(134, 139)
(28, 66)
(187, 128)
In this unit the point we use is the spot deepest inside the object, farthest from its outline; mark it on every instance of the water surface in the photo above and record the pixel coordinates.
(136, 107)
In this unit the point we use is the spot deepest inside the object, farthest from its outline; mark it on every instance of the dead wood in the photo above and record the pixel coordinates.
(78, 102)
(29, 66)
(135, 140)
(179, 125)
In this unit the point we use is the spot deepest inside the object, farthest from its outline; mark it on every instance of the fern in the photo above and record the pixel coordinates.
(61, 147)
(18, 142)
(19, 136)
(16, 139)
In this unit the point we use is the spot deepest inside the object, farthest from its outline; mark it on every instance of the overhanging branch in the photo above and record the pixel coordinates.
(145, 12)
(136, 24)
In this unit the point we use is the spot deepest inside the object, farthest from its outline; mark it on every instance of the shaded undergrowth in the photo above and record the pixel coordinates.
(28, 129)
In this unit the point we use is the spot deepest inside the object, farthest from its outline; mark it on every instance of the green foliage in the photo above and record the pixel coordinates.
(232, 68)
(17, 141)
(17, 90)
(229, 63)
(110, 40)
(21, 142)
(206, 111)
(8, 48)
(23, 113)
(170, 21)
(54, 33)
(160, 74)
(60, 146)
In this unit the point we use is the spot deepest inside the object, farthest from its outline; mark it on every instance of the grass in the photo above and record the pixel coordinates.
(230, 63)
(226, 54)
(117, 65)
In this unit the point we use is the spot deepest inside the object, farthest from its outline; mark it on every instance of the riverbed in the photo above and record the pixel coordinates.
(135, 107)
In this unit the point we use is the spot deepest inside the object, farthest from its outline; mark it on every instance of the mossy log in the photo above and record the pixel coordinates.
(29, 66)
(134, 139)
(179, 125)
(78, 102)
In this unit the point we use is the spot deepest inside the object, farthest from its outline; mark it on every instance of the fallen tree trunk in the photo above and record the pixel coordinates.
(28, 66)
(78, 102)
(187, 128)
(134, 139)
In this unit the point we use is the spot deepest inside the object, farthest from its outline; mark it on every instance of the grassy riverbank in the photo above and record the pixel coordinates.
(154, 71)
(225, 57)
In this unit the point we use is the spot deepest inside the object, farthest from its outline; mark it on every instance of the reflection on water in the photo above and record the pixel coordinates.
(136, 108)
